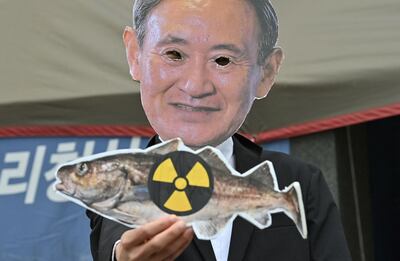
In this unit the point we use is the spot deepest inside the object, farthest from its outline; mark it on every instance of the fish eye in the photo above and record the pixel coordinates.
(82, 169)
(223, 61)
(174, 55)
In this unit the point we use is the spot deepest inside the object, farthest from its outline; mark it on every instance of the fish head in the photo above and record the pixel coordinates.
(91, 181)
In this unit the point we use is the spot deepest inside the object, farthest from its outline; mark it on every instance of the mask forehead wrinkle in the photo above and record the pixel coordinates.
(159, 28)
(196, 3)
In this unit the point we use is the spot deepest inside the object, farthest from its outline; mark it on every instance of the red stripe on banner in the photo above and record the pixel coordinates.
(145, 131)
(77, 130)
(330, 123)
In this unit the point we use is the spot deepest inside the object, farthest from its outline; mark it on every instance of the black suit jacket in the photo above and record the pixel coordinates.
(279, 242)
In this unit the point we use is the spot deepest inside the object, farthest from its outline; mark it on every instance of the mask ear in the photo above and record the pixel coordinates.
(132, 52)
(270, 70)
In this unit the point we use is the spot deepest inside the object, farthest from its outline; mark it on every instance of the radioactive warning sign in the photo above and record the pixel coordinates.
(180, 183)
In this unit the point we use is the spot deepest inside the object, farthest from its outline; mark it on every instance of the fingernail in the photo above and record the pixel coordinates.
(181, 224)
(173, 217)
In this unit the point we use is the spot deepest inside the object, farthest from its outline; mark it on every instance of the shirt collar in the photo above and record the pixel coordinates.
(226, 149)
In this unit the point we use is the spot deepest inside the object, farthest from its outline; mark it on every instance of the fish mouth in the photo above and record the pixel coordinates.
(193, 108)
(63, 189)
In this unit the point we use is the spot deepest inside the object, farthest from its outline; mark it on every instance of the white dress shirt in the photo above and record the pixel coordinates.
(222, 242)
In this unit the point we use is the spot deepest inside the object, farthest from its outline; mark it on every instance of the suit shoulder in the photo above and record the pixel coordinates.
(289, 169)
(283, 158)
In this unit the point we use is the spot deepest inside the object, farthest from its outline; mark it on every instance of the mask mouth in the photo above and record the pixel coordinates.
(188, 107)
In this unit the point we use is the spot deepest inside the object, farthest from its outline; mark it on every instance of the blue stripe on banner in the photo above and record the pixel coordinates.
(279, 145)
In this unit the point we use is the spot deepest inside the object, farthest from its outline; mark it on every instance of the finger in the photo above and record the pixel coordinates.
(184, 245)
(139, 235)
(159, 243)
(179, 246)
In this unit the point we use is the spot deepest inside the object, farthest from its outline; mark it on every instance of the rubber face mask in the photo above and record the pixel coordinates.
(199, 68)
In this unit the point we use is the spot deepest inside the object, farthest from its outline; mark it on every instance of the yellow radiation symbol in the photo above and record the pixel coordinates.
(181, 184)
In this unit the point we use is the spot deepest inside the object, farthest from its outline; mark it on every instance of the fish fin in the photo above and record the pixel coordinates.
(138, 193)
(291, 203)
(165, 147)
(209, 155)
(206, 230)
(263, 174)
(107, 204)
(122, 217)
(262, 217)
(212, 159)
(295, 207)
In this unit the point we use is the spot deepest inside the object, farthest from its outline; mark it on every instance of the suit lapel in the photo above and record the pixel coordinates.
(241, 234)
(247, 155)
(205, 249)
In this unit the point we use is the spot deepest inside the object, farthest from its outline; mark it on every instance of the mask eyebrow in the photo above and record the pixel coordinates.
(230, 47)
(170, 39)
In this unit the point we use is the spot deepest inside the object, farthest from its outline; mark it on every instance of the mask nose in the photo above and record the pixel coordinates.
(197, 83)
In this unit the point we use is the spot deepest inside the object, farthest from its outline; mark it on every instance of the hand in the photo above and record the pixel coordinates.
(163, 239)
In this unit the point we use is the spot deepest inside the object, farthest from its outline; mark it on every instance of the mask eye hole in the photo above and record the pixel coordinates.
(82, 169)
(223, 61)
(174, 55)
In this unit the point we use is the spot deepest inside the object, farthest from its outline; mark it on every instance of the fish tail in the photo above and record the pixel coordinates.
(295, 209)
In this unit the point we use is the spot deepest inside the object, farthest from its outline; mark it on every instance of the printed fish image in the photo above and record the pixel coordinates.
(136, 186)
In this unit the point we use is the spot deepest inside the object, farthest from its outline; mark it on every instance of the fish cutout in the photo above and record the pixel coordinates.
(135, 186)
